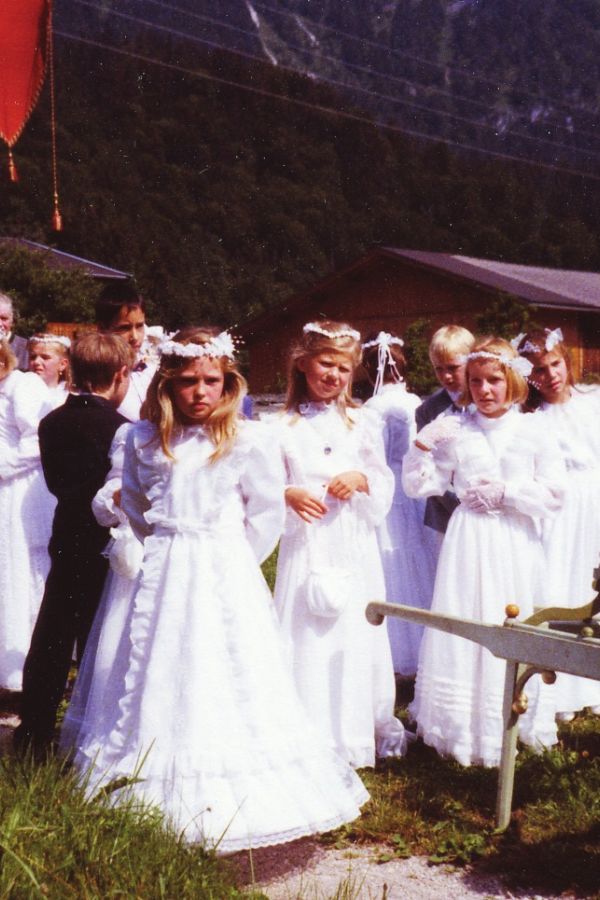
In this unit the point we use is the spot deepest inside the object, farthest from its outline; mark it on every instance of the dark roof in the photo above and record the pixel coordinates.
(560, 288)
(552, 288)
(60, 260)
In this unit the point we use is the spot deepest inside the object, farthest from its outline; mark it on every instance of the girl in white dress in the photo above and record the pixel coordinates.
(207, 718)
(507, 473)
(26, 510)
(408, 548)
(49, 358)
(572, 538)
(339, 490)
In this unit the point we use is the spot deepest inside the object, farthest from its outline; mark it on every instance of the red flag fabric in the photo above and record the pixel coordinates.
(23, 46)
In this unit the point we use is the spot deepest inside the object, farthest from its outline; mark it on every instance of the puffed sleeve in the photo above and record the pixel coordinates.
(103, 504)
(30, 402)
(543, 494)
(374, 506)
(427, 473)
(262, 484)
(133, 499)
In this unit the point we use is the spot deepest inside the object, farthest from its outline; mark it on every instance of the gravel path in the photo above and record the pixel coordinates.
(305, 870)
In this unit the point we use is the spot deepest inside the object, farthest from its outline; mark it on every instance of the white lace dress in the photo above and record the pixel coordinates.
(409, 549)
(208, 717)
(342, 665)
(101, 677)
(487, 561)
(572, 538)
(26, 510)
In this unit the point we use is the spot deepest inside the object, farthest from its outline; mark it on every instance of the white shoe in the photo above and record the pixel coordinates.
(565, 716)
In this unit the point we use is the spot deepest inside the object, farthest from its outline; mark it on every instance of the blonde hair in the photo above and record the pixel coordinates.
(159, 408)
(46, 339)
(8, 360)
(537, 338)
(450, 341)
(311, 344)
(96, 358)
(516, 384)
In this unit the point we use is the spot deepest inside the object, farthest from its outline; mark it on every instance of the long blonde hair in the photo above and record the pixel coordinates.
(311, 344)
(222, 423)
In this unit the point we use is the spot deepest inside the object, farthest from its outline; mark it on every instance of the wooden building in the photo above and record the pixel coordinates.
(389, 288)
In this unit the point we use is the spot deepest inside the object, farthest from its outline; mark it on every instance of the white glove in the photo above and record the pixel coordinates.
(485, 496)
(439, 432)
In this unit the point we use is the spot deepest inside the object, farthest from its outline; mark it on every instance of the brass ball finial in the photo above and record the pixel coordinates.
(512, 610)
(520, 704)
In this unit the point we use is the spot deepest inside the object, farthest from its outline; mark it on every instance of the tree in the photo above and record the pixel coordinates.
(505, 317)
(43, 293)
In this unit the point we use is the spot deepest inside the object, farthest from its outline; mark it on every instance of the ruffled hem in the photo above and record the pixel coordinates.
(236, 811)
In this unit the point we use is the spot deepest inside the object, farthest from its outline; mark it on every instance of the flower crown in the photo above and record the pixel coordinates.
(552, 339)
(517, 363)
(50, 339)
(383, 342)
(220, 345)
(332, 335)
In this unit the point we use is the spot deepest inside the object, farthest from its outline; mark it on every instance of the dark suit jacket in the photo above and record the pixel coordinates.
(437, 509)
(75, 441)
(18, 345)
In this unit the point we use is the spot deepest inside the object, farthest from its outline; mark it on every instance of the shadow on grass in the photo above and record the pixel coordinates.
(434, 807)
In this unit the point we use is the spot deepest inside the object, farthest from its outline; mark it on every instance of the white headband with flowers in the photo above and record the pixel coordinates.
(318, 329)
(517, 363)
(220, 345)
(51, 339)
(383, 342)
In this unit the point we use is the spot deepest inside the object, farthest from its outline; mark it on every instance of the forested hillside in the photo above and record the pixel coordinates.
(222, 201)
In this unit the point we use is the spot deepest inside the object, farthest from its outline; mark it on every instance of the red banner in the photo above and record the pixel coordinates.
(23, 47)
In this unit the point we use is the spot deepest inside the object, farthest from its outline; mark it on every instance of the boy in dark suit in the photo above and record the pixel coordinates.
(448, 354)
(75, 441)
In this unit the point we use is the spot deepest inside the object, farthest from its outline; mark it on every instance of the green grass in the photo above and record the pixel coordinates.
(55, 844)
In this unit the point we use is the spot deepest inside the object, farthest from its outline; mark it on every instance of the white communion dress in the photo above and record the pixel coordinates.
(487, 560)
(409, 549)
(26, 510)
(572, 538)
(342, 665)
(208, 718)
(103, 668)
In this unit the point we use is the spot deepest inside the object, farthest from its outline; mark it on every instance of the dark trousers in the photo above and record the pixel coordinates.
(70, 601)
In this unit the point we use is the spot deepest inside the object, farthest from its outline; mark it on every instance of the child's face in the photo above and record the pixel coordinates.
(450, 372)
(487, 383)
(550, 376)
(130, 324)
(197, 389)
(47, 363)
(327, 375)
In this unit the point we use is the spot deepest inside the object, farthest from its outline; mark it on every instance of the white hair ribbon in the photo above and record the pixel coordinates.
(383, 342)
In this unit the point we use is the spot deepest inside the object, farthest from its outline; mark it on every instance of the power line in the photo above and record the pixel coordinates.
(324, 109)
(372, 72)
(555, 145)
(427, 62)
